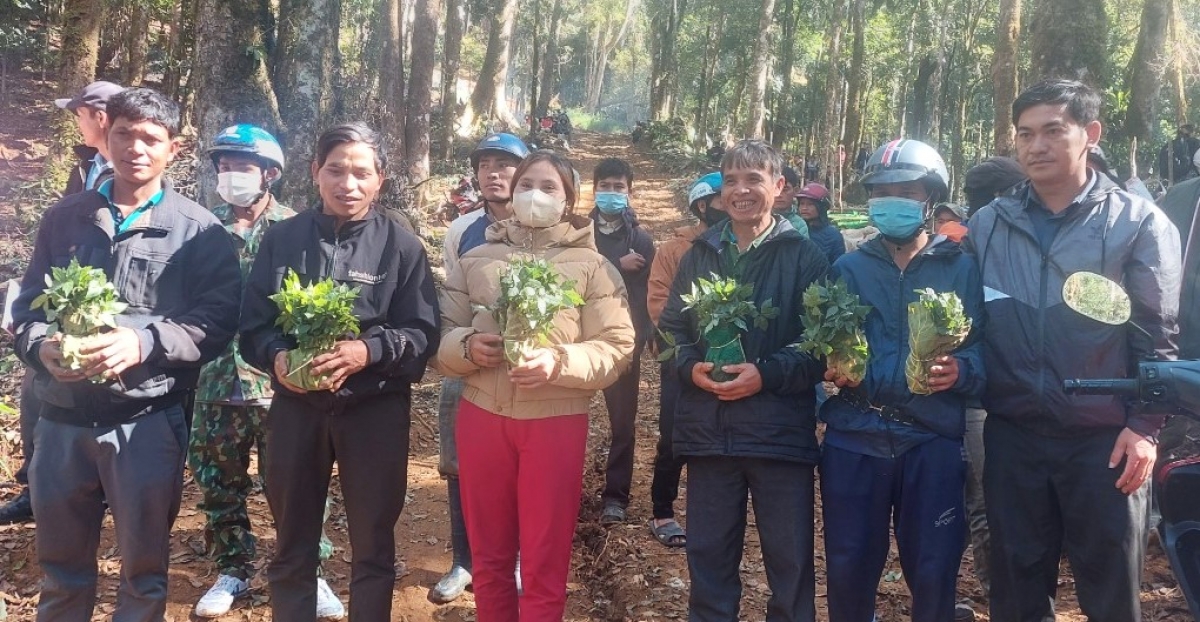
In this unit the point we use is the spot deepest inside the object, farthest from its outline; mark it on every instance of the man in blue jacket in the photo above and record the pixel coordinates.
(1068, 472)
(755, 435)
(893, 459)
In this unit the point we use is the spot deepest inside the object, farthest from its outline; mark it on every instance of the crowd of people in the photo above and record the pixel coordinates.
(196, 371)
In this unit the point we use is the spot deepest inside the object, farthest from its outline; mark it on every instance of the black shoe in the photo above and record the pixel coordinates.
(18, 510)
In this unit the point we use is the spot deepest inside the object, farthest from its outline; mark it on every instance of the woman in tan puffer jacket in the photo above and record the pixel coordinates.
(522, 430)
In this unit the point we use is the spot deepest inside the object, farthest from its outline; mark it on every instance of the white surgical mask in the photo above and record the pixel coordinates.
(240, 189)
(536, 209)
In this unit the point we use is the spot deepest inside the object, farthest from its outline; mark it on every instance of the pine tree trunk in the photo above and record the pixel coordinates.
(760, 71)
(420, 90)
(232, 84)
(549, 82)
(301, 73)
(1179, 93)
(489, 98)
(77, 69)
(831, 125)
(137, 40)
(1146, 72)
(854, 81)
(1069, 40)
(391, 71)
(1004, 74)
(706, 77)
(665, 18)
(452, 52)
(782, 124)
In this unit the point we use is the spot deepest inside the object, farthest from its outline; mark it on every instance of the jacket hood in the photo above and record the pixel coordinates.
(575, 232)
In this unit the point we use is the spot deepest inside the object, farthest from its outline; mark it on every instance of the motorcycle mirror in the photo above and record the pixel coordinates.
(1097, 297)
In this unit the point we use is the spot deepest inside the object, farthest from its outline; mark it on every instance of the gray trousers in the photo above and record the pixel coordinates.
(138, 468)
(31, 405)
(976, 507)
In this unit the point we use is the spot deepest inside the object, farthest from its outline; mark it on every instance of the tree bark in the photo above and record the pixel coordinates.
(1069, 39)
(603, 48)
(1146, 72)
(136, 43)
(664, 27)
(1004, 74)
(77, 69)
(1177, 60)
(856, 78)
(831, 126)
(706, 77)
(452, 52)
(232, 84)
(391, 71)
(550, 63)
(761, 68)
(420, 90)
(489, 98)
(301, 74)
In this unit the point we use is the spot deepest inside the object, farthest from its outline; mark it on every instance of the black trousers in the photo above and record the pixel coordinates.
(622, 401)
(1046, 495)
(369, 442)
(664, 488)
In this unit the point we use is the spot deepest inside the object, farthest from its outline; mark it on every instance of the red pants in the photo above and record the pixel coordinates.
(520, 483)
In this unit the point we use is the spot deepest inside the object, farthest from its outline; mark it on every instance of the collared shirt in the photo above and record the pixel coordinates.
(733, 254)
(1046, 224)
(229, 379)
(99, 167)
(121, 222)
(609, 227)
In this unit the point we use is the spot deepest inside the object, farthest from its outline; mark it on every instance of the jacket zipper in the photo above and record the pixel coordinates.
(900, 361)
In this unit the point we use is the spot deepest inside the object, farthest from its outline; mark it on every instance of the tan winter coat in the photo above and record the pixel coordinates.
(666, 264)
(594, 343)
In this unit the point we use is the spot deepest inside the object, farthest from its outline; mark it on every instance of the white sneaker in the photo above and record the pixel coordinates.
(328, 605)
(220, 596)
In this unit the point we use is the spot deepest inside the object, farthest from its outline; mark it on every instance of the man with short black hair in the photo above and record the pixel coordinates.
(114, 430)
(1067, 472)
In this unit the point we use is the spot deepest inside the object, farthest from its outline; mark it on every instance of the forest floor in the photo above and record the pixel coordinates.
(618, 574)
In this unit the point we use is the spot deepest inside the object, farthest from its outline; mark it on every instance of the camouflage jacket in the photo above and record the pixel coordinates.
(229, 379)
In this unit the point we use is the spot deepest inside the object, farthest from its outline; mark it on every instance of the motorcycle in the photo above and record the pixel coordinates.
(553, 132)
(1176, 481)
(463, 199)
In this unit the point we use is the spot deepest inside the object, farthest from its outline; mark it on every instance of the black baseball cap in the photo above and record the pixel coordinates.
(94, 95)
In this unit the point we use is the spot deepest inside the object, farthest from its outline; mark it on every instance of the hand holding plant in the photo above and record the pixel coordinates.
(81, 304)
(725, 311)
(833, 328)
(531, 295)
(937, 325)
(318, 316)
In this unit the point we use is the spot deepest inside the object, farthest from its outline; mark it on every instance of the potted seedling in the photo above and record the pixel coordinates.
(937, 325)
(531, 294)
(833, 328)
(80, 303)
(317, 316)
(724, 312)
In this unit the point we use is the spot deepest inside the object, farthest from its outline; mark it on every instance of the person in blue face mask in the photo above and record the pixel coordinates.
(630, 248)
(892, 459)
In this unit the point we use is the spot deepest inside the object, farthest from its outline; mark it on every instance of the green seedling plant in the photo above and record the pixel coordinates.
(532, 293)
(317, 316)
(937, 325)
(833, 328)
(80, 303)
(725, 311)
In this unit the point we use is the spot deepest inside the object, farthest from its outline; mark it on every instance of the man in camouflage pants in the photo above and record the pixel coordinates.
(232, 398)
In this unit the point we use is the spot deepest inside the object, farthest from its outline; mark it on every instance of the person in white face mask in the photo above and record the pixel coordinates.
(232, 397)
(524, 427)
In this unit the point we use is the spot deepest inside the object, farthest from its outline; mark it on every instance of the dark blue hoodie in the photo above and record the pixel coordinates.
(871, 273)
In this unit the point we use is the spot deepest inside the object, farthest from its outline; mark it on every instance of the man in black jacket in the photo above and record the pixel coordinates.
(1066, 472)
(89, 110)
(622, 240)
(755, 435)
(113, 429)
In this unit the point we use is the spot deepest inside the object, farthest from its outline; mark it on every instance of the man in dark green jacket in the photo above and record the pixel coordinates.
(753, 435)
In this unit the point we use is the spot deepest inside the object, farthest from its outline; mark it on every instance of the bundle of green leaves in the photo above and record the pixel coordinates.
(317, 316)
(937, 325)
(80, 303)
(833, 328)
(725, 310)
(531, 295)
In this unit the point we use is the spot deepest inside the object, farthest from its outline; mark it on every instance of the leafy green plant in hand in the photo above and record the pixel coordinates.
(833, 328)
(531, 295)
(724, 312)
(80, 303)
(937, 325)
(317, 316)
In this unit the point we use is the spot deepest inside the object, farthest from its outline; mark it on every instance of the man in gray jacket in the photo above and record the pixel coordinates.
(1067, 472)
(113, 428)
